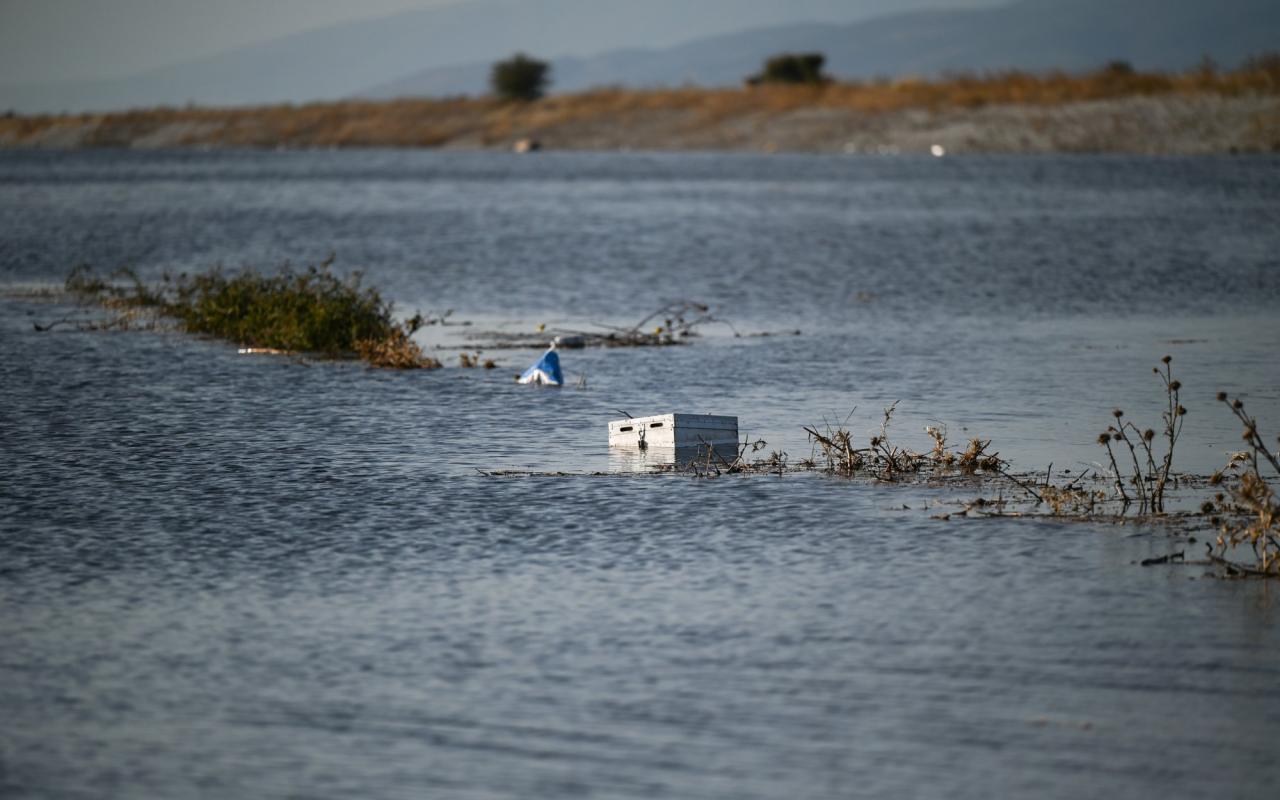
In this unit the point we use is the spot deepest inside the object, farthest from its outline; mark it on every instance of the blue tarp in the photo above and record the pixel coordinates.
(547, 370)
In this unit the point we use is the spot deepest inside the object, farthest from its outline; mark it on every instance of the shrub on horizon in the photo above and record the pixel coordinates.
(792, 68)
(519, 78)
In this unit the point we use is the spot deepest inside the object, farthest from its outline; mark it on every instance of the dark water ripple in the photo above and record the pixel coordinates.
(494, 233)
(224, 576)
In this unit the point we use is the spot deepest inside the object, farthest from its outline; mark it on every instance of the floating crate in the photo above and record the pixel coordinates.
(652, 459)
(674, 431)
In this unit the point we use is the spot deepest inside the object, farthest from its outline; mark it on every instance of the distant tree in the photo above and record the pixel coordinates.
(792, 68)
(1118, 68)
(1264, 62)
(1207, 67)
(519, 78)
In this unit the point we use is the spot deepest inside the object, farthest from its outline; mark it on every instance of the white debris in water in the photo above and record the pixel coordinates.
(938, 151)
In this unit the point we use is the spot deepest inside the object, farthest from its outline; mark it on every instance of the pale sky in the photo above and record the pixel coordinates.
(43, 40)
(54, 40)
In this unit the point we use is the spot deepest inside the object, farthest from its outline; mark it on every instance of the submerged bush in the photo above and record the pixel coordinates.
(310, 311)
(313, 311)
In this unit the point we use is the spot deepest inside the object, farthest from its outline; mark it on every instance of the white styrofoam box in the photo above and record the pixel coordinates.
(629, 458)
(674, 430)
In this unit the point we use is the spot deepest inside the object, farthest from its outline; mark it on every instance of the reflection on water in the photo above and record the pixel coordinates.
(654, 458)
(233, 576)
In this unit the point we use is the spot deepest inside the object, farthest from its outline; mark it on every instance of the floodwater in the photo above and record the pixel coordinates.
(230, 576)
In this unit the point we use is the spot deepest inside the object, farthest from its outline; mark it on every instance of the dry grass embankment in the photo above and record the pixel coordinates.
(1113, 109)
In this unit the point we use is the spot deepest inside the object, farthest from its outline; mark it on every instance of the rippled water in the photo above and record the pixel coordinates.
(230, 576)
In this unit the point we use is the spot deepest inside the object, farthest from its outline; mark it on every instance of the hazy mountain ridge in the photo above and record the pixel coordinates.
(344, 59)
(448, 50)
(1032, 34)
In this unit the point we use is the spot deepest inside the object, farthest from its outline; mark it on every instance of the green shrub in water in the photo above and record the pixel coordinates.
(310, 311)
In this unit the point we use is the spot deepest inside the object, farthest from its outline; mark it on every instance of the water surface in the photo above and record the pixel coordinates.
(241, 576)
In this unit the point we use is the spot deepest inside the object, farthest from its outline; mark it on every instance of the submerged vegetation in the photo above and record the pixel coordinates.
(1149, 478)
(1244, 512)
(885, 461)
(315, 311)
(307, 311)
(671, 324)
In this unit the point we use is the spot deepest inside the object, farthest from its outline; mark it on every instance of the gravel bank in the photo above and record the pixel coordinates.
(1159, 125)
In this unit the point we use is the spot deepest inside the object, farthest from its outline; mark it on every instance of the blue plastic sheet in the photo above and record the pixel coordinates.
(545, 371)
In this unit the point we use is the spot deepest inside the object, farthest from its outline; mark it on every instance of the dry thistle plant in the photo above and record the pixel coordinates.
(395, 351)
(1149, 477)
(839, 455)
(887, 458)
(885, 461)
(1248, 511)
(940, 454)
(975, 457)
(838, 452)
(473, 360)
(710, 462)
(1071, 499)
